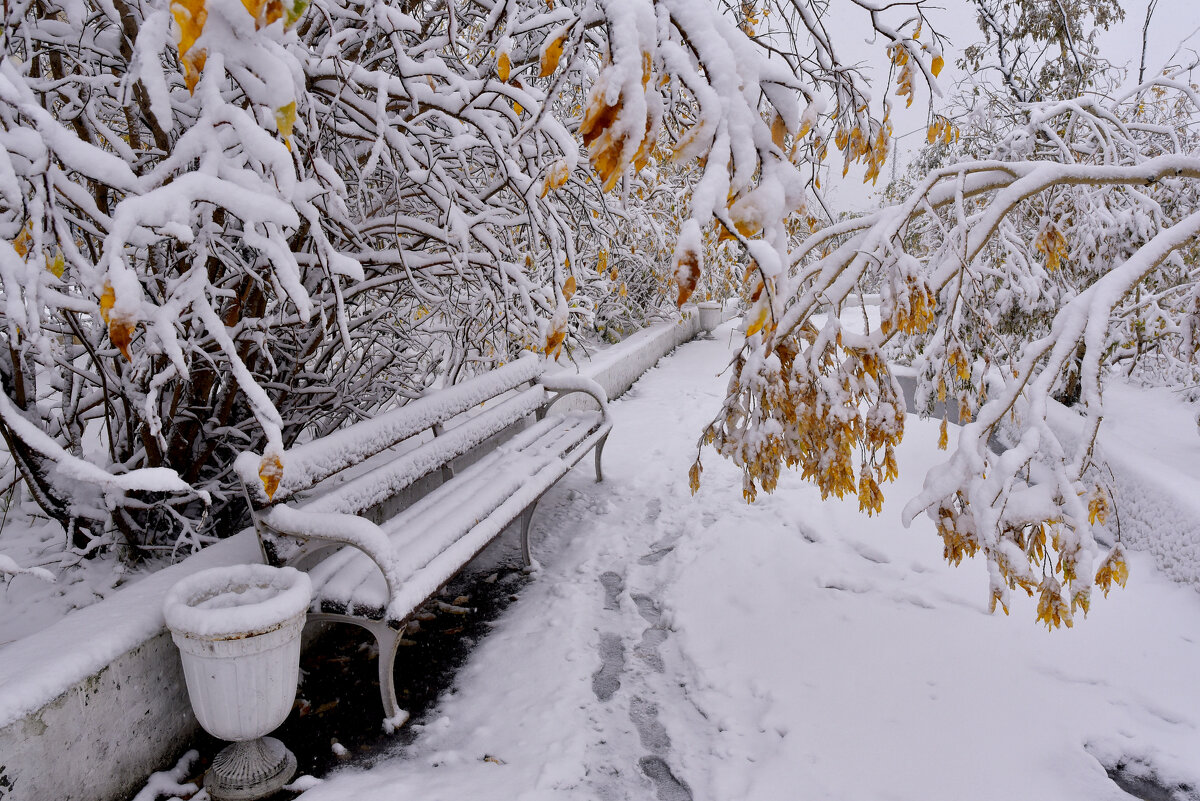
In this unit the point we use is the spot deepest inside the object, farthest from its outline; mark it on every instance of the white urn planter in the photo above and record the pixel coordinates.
(238, 633)
(710, 315)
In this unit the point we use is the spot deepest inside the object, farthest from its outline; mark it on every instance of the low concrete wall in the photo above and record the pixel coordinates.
(95, 703)
(92, 705)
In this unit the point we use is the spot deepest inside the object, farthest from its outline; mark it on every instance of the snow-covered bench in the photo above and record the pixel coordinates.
(377, 573)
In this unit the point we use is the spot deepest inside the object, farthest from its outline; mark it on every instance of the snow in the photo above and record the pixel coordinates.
(9, 566)
(699, 648)
(226, 601)
(170, 782)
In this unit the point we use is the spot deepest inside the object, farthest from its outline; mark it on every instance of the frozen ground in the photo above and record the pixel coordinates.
(699, 648)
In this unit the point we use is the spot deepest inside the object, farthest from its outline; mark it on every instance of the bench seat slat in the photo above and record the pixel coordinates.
(535, 433)
(382, 483)
(311, 463)
(482, 500)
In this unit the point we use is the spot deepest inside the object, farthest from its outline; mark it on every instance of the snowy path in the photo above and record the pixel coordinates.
(698, 648)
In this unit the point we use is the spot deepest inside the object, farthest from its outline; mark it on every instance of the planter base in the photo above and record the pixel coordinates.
(248, 770)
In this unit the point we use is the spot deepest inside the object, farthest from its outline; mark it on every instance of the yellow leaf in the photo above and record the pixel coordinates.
(551, 53)
(56, 265)
(504, 66)
(1098, 507)
(569, 287)
(517, 107)
(190, 16)
(108, 299)
(623, 292)
(936, 66)
(758, 321)
(270, 470)
(1113, 568)
(556, 176)
(694, 476)
(285, 118)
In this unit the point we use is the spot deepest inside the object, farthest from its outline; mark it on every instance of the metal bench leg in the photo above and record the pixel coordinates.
(599, 453)
(388, 640)
(526, 523)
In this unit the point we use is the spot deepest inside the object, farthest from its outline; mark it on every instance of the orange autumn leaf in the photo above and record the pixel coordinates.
(554, 342)
(264, 11)
(778, 131)
(603, 136)
(551, 53)
(120, 327)
(24, 240)
(936, 66)
(121, 333)
(270, 471)
(504, 67)
(687, 275)
(569, 287)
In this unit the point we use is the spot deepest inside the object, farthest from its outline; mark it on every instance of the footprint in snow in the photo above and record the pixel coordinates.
(661, 548)
(666, 786)
(652, 637)
(870, 554)
(607, 679)
(613, 586)
(652, 733)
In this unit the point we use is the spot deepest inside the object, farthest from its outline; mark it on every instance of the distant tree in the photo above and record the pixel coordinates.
(1030, 252)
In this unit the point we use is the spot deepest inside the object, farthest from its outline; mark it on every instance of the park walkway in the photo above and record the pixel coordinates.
(679, 647)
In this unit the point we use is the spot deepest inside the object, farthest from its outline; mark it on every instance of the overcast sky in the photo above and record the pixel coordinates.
(1175, 23)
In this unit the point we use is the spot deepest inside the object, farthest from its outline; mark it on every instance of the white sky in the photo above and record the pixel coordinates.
(1175, 24)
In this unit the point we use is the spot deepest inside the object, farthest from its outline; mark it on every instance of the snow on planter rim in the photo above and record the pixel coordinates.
(227, 602)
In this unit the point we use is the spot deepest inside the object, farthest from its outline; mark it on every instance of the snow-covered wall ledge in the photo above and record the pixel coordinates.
(92, 705)
(616, 368)
(1158, 511)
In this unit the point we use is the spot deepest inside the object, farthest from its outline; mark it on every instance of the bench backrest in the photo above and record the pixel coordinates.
(305, 466)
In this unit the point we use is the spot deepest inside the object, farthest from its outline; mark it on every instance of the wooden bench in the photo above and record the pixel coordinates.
(376, 569)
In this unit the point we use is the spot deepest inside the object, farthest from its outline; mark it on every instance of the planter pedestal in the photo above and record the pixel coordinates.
(250, 769)
(238, 632)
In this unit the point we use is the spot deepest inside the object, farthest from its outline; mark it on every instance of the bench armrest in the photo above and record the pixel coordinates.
(564, 384)
(338, 528)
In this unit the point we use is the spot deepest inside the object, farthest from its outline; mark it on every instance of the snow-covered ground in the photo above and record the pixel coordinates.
(699, 648)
